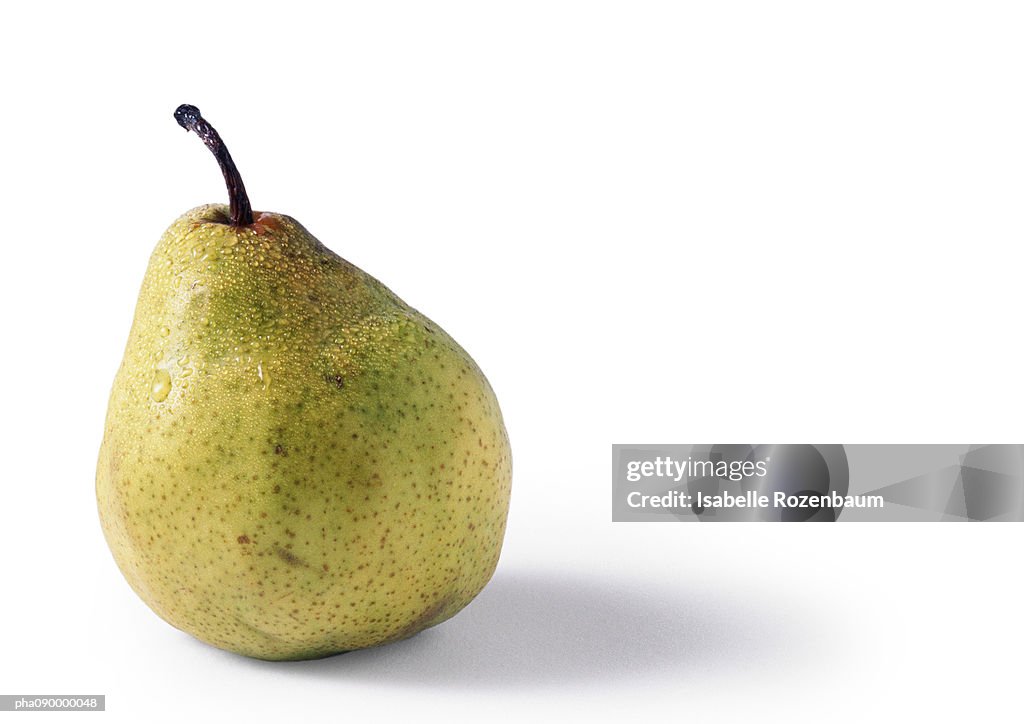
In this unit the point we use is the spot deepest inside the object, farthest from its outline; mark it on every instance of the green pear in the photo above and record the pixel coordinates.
(295, 462)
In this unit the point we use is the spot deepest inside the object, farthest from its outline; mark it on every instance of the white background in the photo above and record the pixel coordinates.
(648, 222)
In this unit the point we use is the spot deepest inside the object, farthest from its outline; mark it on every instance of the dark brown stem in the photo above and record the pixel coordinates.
(189, 118)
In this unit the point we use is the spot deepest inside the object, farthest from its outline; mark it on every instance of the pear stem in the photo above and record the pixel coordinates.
(189, 118)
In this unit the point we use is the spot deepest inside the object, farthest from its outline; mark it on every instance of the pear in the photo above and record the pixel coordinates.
(295, 462)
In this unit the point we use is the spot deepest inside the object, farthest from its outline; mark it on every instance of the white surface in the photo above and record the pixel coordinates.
(648, 222)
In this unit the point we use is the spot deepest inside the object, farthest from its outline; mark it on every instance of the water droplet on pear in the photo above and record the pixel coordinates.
(161, 386)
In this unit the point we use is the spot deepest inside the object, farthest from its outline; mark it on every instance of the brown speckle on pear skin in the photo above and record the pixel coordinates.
(288, 557)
